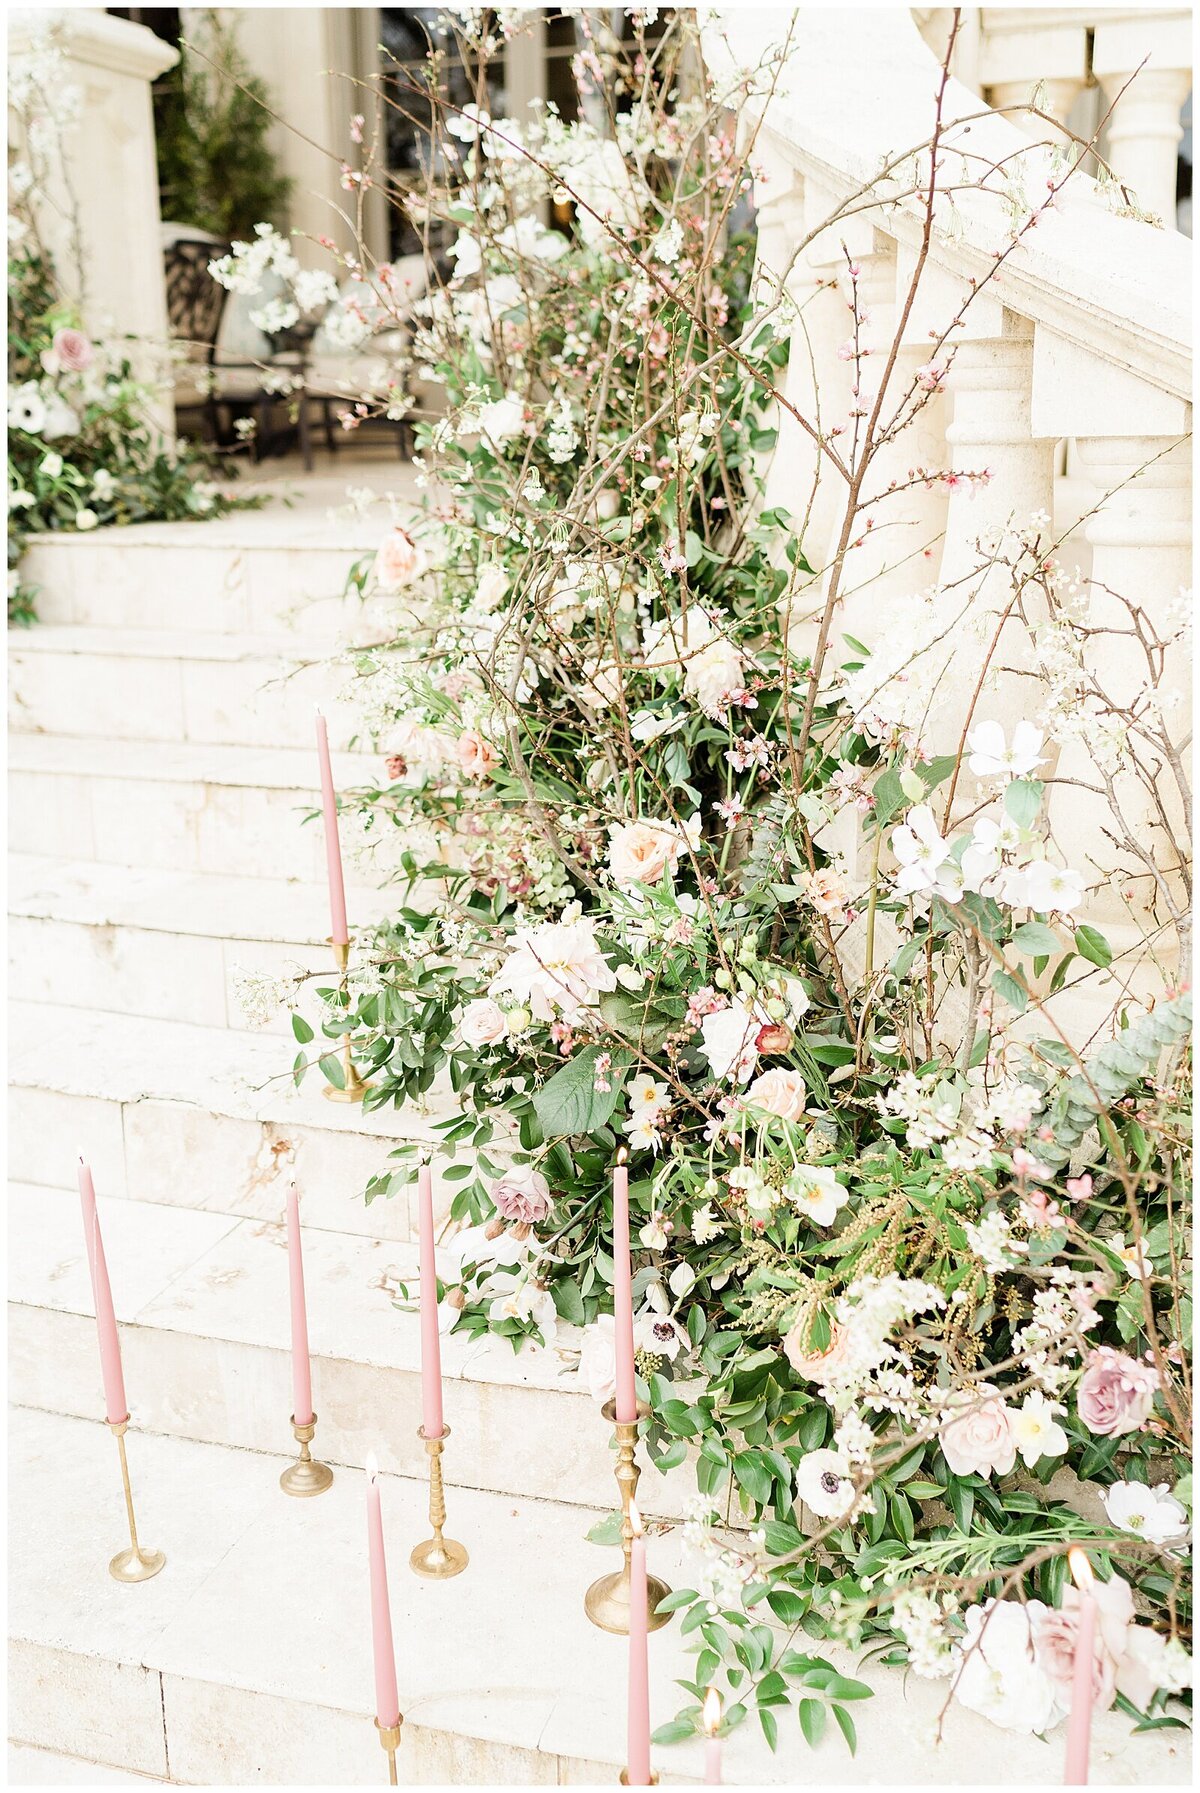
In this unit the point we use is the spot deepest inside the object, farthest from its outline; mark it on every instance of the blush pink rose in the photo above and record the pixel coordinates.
(979, 1439)
(482, 1022)
(1115, 1393)
(1055, 1634)
(640, 852)
(780, 1092)
(522, 1194)
(476, 756)
(74, 350)
(398, 560)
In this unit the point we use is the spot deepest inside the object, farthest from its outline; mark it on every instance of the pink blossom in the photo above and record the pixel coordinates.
(978, 1438)
(1079, 1188)
(476, 756)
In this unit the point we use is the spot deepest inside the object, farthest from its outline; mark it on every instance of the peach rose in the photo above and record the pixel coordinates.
(1115, 1393)
(780, 1092)
(979, 1438)
(817, 1366)
(398, 560)
(827, 892)
(640, 852)
(476, 757)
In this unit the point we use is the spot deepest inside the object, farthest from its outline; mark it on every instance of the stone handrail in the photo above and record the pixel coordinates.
(1065, 383)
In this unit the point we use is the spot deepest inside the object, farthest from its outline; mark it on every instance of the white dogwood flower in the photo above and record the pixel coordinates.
(992, 758)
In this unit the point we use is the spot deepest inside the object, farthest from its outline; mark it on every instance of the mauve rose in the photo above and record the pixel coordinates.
(1055, 1635)
(1115, 1393)
(522, 1193)
(74, 350)
(398, 560)
(979, 1438)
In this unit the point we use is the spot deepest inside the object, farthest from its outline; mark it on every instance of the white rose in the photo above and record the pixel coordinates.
(598, 1358)
(483, 1022)
(398, 561)
(714, 676)
(493, 583)
(728, 1042)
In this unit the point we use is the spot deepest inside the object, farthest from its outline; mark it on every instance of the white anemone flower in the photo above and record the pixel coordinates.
(991, 757)
(825, 1483)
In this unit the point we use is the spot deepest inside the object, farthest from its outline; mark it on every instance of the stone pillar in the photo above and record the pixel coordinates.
(100, 218)
(1145, 129)
(1059, 95)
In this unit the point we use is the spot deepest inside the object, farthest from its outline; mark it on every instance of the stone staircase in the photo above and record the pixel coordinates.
(160, 776)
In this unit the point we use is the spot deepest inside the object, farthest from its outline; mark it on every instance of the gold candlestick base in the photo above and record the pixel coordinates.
(437, 1558)
(389, 1736)
(136, 1563)
(606, 1602)
(652, 1782)
(354, 1089)
(305, 1476)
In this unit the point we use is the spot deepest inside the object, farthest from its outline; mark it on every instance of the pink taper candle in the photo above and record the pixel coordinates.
(301, 1371)
(115, 1405)
(638, 1752)
(338, 931)
(431, 1344)
(712, 1743)
(387, 1701)
(626, 1387)
(1083, 1683)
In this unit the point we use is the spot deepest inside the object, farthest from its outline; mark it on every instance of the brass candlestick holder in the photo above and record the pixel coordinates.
(134, 1564)
(653, 1777)
(389, 1736)
(438, 1557)
(354, 1089)
(305, 1475)
(607, 1600)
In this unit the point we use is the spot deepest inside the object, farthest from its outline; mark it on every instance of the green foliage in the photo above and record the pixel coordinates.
(217, 169)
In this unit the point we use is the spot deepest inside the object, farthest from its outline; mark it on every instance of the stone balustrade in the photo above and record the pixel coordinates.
(1077, 352)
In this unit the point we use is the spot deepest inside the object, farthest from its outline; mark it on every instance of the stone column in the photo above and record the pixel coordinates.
(100, 217)
(1059, 93)
(1144, 131)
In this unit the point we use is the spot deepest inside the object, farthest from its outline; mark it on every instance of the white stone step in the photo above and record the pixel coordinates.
(248, 1659)
(166, 945)
(185, 807)
(250, 573)
(194, 1117)
(151, 685)
(203, 1301)
(30, 1767)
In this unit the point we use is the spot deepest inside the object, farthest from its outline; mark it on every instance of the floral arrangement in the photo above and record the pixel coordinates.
(685, 873)
(84, 449)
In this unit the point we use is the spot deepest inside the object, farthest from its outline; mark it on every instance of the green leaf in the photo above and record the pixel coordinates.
(568, 1302)
(301, 1029)
(1007, 987)
(331, 1068)
(770, 1727)
(1036, 937)
(570, 1103)
(846, 1727)
(1023, 800)
(812, 1721)
(677, 1598)
(1091, 945)
(677, 1730)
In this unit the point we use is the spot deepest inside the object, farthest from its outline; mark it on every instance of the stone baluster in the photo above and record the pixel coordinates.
(1145, 130)
(1141, 553)
(990, 386)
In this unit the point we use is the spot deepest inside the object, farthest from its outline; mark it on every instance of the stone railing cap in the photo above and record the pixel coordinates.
(92, 36)
(860, 87)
